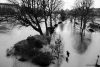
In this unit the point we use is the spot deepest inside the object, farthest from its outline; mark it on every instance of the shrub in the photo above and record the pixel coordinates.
(31, 50)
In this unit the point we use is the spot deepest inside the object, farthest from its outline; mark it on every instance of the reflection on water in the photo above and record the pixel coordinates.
(75, 59)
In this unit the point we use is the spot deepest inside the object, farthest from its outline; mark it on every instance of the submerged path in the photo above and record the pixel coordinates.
(76, 59)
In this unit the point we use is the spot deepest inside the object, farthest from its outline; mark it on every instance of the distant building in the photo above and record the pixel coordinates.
(8, 9)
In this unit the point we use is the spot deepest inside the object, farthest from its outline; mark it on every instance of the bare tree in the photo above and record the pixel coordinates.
(84, 13)
(33, 12)
(84, 8)
(50, 6)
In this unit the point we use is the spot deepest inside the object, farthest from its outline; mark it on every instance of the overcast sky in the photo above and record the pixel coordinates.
(70, 3)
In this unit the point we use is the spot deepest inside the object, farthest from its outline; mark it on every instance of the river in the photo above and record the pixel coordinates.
(75, 59)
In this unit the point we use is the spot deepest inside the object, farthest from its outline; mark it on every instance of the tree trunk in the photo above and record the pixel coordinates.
(39, 27)
(74, 22)
(81, 29)
(51, 19)
(47, 33)
(40, 31)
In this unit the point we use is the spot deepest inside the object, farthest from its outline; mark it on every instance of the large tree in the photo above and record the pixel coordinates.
(34, 12)
(83, 12)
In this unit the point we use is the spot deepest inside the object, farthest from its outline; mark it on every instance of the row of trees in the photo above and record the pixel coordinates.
(83, 12)
(34, 12)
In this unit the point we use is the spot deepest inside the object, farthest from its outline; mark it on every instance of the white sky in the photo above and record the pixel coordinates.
(3, 1)
(68, 4)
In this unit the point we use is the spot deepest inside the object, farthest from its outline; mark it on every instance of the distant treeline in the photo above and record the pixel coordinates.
(12, 9)
(7, 9)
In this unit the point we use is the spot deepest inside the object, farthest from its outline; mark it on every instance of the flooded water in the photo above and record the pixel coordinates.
(70, 40)
(75, 59)
(9, 39)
